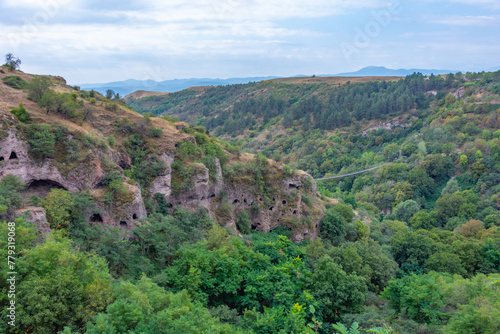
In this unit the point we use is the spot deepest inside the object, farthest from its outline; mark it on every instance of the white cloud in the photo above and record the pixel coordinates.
(468, 20)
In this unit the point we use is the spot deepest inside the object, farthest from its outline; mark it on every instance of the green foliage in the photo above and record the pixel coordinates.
(156, 132)
(60, 287)
(41, 140)
(423, 220)
(243, 222)
(11, 62)
(420, 297)
(59, 206)
(21, 113)
(147, 308)
(15, 81)
(62, 103)
(437, 166)
(445, 262)
(366, 258)
(111, 140)
(332, 227)
(345, 211)
(38, 87)
(116, 190)
(11, 188)
(337, 292)
(451, 187)
(405, 210)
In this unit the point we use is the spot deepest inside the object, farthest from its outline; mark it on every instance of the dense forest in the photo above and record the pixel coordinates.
(413, 247)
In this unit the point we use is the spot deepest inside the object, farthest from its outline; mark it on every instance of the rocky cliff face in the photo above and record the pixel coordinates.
(37, 216)
(111, 138)
(223, 199)
(41, 176)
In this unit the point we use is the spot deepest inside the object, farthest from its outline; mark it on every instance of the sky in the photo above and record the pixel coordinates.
(90, 41)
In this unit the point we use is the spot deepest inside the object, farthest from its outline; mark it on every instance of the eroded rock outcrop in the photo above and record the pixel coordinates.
(18, 162)
(290, 201)
(163, 183)
(41, 176)
(225, 200)
(387, 126)
(37, 216)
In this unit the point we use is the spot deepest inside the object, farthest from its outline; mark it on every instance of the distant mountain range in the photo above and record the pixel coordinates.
(132, 85)
(380, 71)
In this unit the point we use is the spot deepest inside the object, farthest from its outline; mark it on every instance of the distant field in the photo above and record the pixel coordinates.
(139, 94)
(331, 80)
(299, 80)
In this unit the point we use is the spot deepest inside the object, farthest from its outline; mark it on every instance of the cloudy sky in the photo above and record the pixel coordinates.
(88, 41)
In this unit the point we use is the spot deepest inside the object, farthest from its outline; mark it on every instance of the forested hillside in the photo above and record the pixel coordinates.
(424, 229)
(129, 223)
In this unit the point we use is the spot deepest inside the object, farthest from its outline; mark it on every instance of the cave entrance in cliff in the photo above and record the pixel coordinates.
(13, 156)
(2, 159)
(96, 218)
(41, 188)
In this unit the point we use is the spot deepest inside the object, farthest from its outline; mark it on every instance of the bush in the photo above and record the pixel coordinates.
(111, 140)
(156, 132)
(243, 222)
(332, 227)
(345, 211)
(59, 206)
(11, 188)
(15, 81)
(405, 210)
(21, 114)
(37, 87)
(42, 141)
(62, 103)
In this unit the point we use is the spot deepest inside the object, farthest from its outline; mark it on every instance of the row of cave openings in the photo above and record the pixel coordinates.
(13, 156)
(271, 208)
(97, 218)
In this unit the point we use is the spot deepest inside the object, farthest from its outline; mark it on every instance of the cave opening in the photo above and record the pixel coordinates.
(134, 216)
(123, 223)
(96, 218)
(37, 184)
(2, 159)
(13, 156)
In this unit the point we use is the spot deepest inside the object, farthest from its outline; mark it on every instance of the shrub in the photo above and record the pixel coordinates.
(15, 81)
(345, 211)
(243, 222)
(42, 141)
(59, 206)
(332, 227)
(21, 114)
(63, 103)
(156, 132)
(111, 106)
(405, 210)
(111, 140)
(37, 87)
(11, 188)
